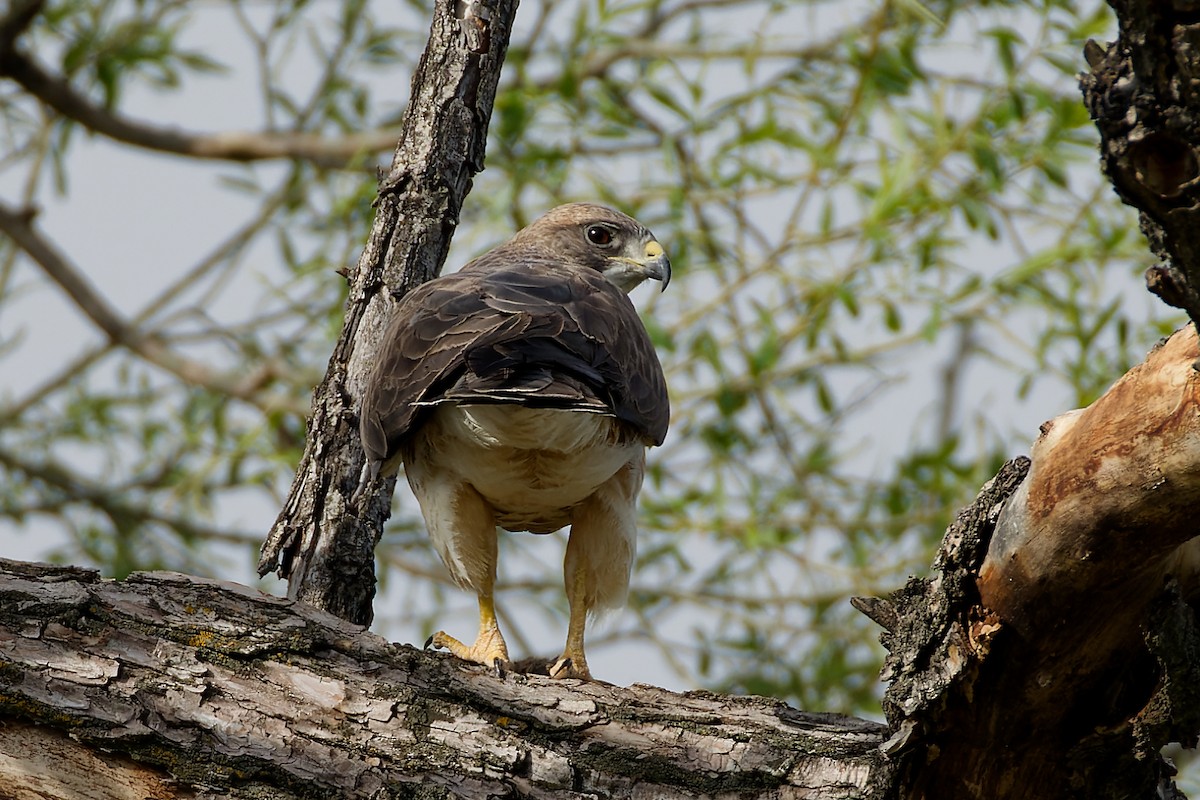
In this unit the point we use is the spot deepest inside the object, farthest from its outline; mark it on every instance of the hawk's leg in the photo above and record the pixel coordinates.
(462, 527)
(600, 553)
(489, 648)
(572, 663)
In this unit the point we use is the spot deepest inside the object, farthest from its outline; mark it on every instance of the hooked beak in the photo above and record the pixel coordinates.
(627, 272)
(656, 264)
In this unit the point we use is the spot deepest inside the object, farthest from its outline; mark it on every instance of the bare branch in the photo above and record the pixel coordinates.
(57, 93)
(69, 488)
(20, 16)
(18, 226)
(233, 243)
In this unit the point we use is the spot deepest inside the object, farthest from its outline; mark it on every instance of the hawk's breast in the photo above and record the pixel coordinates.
(532, 465)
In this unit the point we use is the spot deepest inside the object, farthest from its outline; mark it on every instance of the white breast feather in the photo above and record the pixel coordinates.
(530, 464)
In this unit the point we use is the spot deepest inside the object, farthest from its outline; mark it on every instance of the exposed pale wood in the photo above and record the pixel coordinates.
(38, 763)
(1056, 652)
(1112, 495)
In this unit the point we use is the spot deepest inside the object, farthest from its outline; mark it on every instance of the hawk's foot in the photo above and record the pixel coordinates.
(571, 667)
(489, 648)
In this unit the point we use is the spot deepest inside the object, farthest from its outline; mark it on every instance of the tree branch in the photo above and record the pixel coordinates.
(1054, 654)
(20, 16)
(322, 542)
(57, 93)
(63, 487)
(1141, 94)
(220, 688)
(18, 226)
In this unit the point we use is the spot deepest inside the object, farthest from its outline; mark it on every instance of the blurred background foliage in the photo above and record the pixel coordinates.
(895, 256)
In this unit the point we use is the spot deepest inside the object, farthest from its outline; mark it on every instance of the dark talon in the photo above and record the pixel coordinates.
(498, 667)
(428, 642)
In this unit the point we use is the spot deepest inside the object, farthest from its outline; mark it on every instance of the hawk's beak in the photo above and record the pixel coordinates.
(629, 270)
(656, 264)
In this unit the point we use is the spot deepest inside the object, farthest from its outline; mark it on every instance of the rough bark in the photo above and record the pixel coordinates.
(165, 685)
(1142, 93)
(322, 542)
(1057, 650)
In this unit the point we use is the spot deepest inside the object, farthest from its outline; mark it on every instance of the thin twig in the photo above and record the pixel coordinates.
(57, 93)
(18, 226)
(76, 489)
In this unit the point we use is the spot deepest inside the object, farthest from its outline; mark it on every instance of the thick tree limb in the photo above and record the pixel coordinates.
(218, 688)
(322, 542)
(1057, 651)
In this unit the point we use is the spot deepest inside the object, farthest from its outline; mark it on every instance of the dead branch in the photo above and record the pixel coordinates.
(190, 685)
(19, 227)
(57, 93)
(1054, 655)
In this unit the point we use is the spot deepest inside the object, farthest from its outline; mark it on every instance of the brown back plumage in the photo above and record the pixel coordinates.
(532, 322)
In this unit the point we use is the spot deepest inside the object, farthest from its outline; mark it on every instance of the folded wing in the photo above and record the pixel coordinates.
(514, 330)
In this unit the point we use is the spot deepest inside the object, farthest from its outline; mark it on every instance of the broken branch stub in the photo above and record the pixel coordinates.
(1055, 651)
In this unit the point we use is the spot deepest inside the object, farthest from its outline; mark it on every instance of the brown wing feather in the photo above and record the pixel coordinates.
(514, 327)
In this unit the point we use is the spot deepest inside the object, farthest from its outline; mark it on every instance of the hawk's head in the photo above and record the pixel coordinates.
(595, 236)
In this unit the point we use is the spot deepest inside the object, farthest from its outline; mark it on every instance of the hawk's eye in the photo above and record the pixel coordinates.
(599, 234)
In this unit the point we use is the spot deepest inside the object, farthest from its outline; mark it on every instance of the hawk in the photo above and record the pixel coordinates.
(521, 393)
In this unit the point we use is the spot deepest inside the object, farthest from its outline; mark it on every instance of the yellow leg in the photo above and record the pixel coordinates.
(572, 663)
(489, 648)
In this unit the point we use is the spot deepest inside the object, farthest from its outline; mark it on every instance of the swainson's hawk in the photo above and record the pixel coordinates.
(521, 392)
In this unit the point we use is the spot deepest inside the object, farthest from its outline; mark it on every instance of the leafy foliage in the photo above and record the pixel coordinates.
(894, 257)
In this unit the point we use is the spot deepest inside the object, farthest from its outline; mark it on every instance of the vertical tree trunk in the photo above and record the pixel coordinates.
(322, 542)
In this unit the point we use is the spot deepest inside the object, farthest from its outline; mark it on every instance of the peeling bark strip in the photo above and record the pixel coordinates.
(322, 544)
(222, 688)
(1058, 650)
